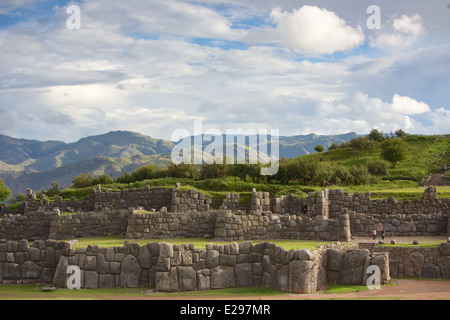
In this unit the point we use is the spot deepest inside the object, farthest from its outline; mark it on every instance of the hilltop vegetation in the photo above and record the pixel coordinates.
(356, 165)
(344, 166)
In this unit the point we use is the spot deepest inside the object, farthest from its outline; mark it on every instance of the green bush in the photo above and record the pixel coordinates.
(378, 168)
(361, 176)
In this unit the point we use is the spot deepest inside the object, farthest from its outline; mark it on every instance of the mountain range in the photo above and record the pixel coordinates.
(36, 164)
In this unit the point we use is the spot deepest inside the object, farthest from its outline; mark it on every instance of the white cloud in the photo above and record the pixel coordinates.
(407, 105)
(403, 32)
(311, 30)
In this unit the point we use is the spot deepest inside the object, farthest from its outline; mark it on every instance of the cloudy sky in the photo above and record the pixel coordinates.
(153, 66)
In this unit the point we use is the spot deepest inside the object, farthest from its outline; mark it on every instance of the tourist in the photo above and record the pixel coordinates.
(374, 234)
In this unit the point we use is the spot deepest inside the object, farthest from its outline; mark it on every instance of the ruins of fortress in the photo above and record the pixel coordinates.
(162, 213)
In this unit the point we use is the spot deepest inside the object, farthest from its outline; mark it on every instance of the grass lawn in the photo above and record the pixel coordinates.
(109, 242)
(410, 245)
(34, 292)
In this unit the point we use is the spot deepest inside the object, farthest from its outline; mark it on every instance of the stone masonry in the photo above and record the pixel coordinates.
(172, 268)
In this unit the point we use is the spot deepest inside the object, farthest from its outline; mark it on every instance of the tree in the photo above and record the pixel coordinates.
(83, 181)
(360, 145)
(400, 133)
(53, 191)
(304, 169)
(333, 146)
(4, 191)
(103, 179)
(319, 148)
(183, 170)
(376, 135)
(394, 151)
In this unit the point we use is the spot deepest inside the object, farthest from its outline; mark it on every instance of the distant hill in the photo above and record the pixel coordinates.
(35, 164)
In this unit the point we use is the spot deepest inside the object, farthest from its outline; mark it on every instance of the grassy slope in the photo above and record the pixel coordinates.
(425, 153)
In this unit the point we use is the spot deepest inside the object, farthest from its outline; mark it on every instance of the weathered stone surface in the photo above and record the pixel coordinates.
(243, 275)
(30, 270)
(106, 281)
(90, 263)
(444, 266)
(144, 258)
(222, 277)
(11, 271)
(334, 259)
(283, 278)
(90, 280)
(413, 265)
(212, 259)
(50, 258)
(47, 275)
(60, 275)
(444, 249)
(187, 279)
(305, 254)
(354, 267)
(166, 250)
(130, 272)
(167, 281)
(429, 272)
(163, 264)
(227, 259)
(302, 276)
(203, 280)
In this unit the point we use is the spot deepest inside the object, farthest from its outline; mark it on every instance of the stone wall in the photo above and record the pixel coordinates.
(23, 264)
(419, 262)
(160, 225)
(33, 225)
(94, 224)
(100, 200)
(237, 227)
(399, 224)
(172, 268)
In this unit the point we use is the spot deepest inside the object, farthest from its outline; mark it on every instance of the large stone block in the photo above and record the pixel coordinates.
(187, 278)
(11, 271)
(166, 250)
(283, 278)
(243, 275)
(144, 257)
(90, 263)
(30, 270)
(130, 272)
(60, 275)
(302, 276)
(444, 266)
(334, 259)
(203, 280)
(90, 280)
(354, 266)
(212, 259)
(167, 281)
(222, 277)
(413, 265)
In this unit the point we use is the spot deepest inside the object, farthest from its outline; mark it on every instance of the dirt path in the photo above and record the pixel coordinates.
(400, 289)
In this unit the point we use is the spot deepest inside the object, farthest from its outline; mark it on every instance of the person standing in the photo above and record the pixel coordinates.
(374, 234)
